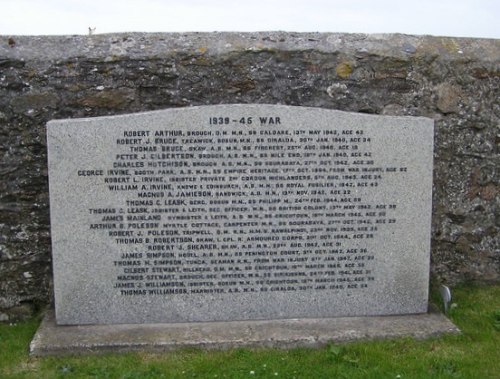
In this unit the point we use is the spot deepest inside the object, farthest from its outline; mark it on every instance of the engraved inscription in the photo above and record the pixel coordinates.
(253, 209)
(243, 202)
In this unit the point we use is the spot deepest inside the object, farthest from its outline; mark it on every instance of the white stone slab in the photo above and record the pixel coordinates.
(239, 212)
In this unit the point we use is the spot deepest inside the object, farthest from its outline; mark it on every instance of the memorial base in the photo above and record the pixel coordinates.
(52, 339)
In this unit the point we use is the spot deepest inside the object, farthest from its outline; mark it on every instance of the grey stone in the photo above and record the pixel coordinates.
(147, 71)
(53, 339)
(19, 313)
(409, 48)
(36, 101)
(238, 212)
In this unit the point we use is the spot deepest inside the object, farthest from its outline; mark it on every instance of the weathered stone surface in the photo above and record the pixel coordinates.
(455, 81)
(260, 211)
(448, 98)
(52, 339)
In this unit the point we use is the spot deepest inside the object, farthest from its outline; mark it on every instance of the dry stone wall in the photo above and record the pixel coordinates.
(454, 81)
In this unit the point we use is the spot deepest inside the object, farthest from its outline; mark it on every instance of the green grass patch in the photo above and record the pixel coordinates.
(473, 354)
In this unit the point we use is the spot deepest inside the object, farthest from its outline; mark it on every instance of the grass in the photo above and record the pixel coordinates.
(473, 354)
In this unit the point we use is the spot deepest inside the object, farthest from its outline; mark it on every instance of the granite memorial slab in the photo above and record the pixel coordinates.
(239, 212)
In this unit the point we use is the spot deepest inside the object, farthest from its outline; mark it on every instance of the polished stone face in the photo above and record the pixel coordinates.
(239, 212)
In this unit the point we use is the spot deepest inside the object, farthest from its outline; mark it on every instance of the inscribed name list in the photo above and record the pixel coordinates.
(238, 212)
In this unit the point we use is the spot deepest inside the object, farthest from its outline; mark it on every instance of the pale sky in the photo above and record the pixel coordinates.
(459, 18)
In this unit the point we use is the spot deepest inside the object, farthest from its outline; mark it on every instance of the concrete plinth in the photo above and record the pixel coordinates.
(52, 339)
